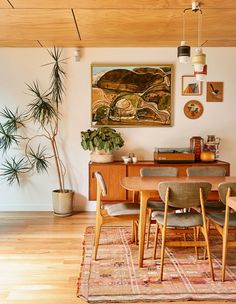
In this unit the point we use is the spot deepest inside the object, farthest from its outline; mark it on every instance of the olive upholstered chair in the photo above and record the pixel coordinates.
(154, 205)
(224, 220)
(107, 213)
(209, 171)
(182, 195)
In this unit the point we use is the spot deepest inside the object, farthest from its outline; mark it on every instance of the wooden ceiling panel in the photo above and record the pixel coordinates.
(137, 25)
(128, 4)
(31, 24)
(19, 43)
(4, 4)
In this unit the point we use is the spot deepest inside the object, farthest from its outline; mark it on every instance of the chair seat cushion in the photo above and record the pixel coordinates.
(158, 205)
(187, 219)
(122, 209)
(214, 205)
(219, 218)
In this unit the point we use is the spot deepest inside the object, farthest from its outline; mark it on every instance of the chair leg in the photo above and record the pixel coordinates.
(208, 252)
(155, 241)
(149, 226)
(195, 240)
(224, 253)
(208, 232)
(133, 231)
(96, 239)
(162, 252)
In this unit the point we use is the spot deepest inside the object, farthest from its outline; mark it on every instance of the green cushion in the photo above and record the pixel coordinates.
(219, 218)
(122, 209)
(158, 206)
(217, 205)
(187, 219)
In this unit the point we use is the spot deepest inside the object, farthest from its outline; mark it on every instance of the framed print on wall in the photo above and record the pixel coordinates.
(215, 91)
(131, 95)
(190, 86)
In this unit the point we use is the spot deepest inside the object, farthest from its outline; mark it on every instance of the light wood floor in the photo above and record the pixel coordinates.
(40, 257)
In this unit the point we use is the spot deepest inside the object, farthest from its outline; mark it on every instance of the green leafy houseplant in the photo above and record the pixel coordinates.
(103, 138)
(43, 112)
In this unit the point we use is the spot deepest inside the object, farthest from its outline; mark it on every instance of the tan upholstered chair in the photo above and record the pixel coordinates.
(209, 171)
(107, 213)
(225, 220)
(183, 195)
(154, 205)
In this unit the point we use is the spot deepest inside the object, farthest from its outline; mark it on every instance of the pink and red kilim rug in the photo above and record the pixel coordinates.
(115, 276)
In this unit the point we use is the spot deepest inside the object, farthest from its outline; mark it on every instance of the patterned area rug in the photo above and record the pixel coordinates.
(115, 276)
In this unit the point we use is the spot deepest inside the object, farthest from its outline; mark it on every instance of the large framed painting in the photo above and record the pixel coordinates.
(132, 95)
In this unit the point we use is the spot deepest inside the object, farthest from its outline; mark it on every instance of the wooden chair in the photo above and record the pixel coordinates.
(152, 204)
(209, 171)
(224, 221)
(183, 195)
(107, 213)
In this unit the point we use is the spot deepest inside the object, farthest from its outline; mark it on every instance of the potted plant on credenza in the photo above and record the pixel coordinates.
(44, 114)
(101, 142)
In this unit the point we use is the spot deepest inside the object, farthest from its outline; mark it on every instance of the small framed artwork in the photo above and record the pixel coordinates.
(215, 91)
(193, 109)
(190, 86)
(131, 95)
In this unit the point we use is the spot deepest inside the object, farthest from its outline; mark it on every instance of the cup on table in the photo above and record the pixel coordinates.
(126, 159)
(134, 159)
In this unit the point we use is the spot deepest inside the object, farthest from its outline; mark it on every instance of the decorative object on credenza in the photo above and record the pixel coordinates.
(101, 142)
(173, 155)
(207, 156)
(190, 86)
(131, 95)
(196, 146)
(212, 144)
(193, 109)
(215, 91)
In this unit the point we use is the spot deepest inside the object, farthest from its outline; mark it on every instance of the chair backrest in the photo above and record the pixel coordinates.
(101, 183)
(159, 171)
(206, 171)
(223, 188)
(184, 194)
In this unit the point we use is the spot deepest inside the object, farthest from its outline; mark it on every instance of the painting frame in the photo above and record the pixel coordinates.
(110, 93)
(190, 86)
(215, 91)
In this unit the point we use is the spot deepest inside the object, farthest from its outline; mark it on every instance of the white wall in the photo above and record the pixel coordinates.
(19, 66)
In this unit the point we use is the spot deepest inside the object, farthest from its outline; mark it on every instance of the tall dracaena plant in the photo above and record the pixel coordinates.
(42, 111)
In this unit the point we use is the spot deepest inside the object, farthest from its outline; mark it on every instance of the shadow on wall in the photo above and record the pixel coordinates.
(79, 202)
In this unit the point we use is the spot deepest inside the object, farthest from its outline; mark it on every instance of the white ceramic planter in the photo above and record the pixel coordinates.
(62, 202)
(101, 156)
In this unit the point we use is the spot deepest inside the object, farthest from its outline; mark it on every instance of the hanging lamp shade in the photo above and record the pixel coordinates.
(201, 76)
(184, 52)
(199, 60)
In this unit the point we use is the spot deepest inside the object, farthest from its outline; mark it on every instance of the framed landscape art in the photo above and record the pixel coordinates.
(190, 86)
(131, 95)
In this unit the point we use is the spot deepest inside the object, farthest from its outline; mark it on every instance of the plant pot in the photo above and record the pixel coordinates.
(62, 202)
(101, 156)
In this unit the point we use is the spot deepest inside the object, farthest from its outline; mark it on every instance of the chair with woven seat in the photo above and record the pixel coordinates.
(209, 171)
(224, 221)
(183, 195)
(152, 204)
(107, 213)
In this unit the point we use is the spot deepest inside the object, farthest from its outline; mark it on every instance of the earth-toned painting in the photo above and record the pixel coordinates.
(131, 95)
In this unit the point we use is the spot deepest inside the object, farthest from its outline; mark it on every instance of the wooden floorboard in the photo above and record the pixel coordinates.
(40, 257)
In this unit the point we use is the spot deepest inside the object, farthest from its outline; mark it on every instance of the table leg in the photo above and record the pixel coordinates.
(144, 195)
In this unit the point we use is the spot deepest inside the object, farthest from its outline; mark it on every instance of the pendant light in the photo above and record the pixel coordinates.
(199, 58)
(184, 49)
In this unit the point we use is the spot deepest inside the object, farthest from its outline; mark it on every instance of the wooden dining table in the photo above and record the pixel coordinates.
(147, 187)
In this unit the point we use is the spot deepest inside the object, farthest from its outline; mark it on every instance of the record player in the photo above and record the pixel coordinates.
(173, 155)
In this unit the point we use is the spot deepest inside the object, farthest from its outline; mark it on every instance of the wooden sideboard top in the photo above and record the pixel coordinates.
(151, 162)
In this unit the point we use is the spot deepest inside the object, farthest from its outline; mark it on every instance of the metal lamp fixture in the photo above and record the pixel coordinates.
(199, 58)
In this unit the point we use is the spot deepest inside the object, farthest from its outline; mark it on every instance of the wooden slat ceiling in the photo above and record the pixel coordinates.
(108, 23)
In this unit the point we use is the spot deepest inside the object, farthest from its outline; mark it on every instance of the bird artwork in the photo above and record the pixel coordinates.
(215, 91)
